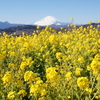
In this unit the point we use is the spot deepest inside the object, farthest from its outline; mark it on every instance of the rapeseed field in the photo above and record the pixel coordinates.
(53, 65)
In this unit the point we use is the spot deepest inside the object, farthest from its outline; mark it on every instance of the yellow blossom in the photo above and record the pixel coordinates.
(8, 78)
(81, 59)
(38, 27)
(71, 18)
(89, 90)
(29, 76)
(53, 39)
(11, 95)
(22, 92)
(43, 92)
(98, 20)
(59, 55)
(51, 74)
(89, 22)
(68, 75)
(98, 25)
(78, 71)
(83, 82)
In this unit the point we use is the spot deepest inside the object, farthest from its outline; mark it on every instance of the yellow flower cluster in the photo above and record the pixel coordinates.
(22, 92)
(52, 74)
(26, 62)
(95, 65)
(83, 82)
(78, 71)
(68, 75)
(11, 95)
(8, 78)
(29, 76)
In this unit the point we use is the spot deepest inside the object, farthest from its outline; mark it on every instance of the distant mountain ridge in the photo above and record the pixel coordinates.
(6, 24)
(48, 20)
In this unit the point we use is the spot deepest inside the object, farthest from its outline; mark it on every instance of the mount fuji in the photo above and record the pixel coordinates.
(50, 20)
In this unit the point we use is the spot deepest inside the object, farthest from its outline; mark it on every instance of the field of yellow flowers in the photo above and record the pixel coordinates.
(52, 65)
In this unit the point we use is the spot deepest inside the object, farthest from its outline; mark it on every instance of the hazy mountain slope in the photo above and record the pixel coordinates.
(19, 29)
(6, 24)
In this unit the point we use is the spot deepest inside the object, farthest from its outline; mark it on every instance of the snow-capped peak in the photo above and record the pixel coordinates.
(49, 20)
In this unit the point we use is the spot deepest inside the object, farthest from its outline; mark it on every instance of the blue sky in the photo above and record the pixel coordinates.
(30, 11)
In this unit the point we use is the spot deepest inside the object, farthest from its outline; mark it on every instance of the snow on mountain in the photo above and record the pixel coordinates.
(49, 20)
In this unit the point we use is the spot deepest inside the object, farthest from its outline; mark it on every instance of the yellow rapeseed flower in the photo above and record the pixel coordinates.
(98, 20)
(80, 59)
(38, 27)
(51, 74)
(89, 22)
(8, 78)
(78, 71)
(68, 75)
(95, 66)
(53, 39)
(89, 90)
(22, 92)
(29, 76)
(83, 82)
(43, 92)
(11, 95)
(98, 25)
(71, 18)
(23, 65)
(59, 55)
(34, 89)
